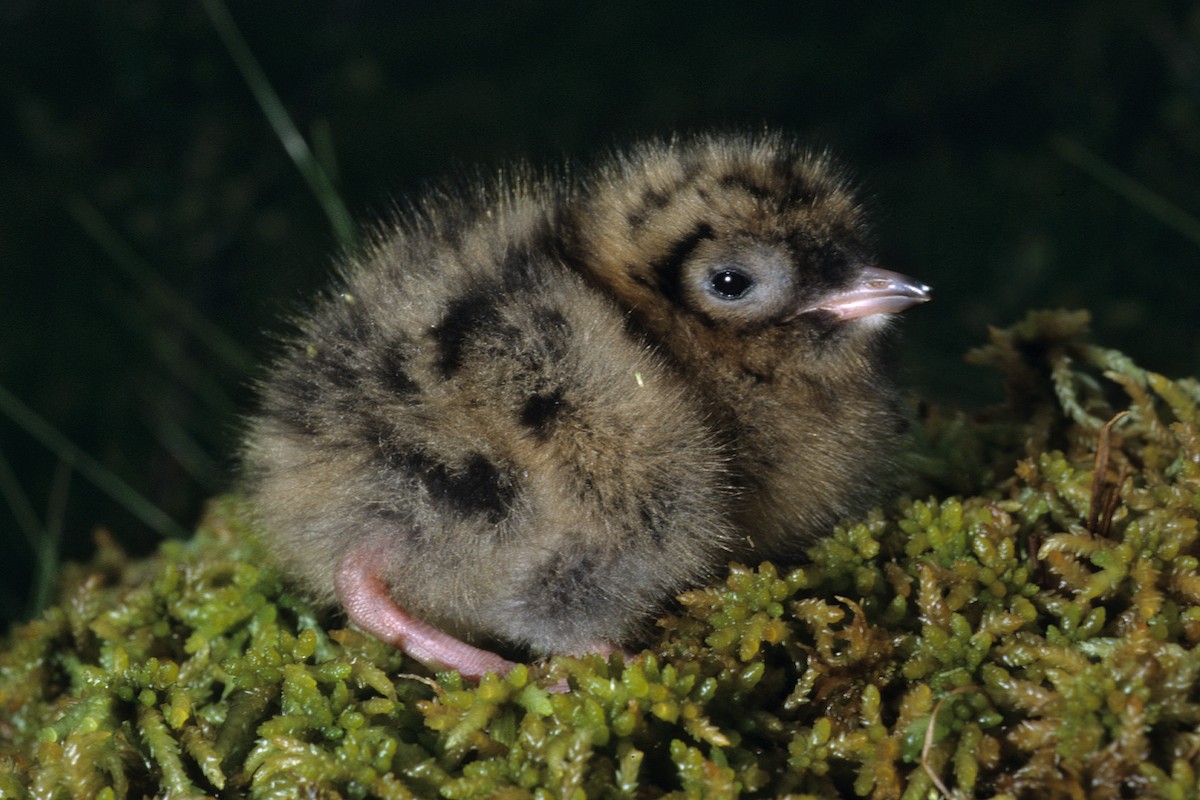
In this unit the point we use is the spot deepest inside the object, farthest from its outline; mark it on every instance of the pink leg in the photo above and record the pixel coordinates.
(369, 605)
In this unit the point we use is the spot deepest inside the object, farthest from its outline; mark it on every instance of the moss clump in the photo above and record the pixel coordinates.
(1035, 635)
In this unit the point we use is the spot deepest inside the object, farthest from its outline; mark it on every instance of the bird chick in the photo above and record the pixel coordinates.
(529, 414)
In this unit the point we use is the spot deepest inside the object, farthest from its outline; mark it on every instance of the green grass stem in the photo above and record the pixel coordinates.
(91, 469)
(1137, 193)
(273, 109)
(155, 288)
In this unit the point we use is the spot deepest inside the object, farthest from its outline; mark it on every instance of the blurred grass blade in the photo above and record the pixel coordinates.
(272, 107)
(48, 555)
(18, 503)
(44, 542)
(1131, 189)
(170, 351)
(157, 289)
(187, 452)
(322, 146)
(90, 468)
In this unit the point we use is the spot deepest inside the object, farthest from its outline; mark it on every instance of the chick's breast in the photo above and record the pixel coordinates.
(469, 406)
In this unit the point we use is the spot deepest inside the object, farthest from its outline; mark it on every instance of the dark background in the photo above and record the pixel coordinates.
(127, 125)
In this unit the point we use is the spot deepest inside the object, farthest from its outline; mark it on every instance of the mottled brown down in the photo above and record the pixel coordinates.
(529, 413)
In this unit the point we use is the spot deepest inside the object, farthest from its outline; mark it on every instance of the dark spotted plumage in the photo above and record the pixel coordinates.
(528, 416)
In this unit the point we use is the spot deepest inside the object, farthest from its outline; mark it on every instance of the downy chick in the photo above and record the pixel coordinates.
(529, 414)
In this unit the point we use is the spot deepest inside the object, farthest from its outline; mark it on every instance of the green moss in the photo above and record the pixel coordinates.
(1025, 623)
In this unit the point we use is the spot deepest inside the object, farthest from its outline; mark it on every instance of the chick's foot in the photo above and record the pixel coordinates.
(370, 605)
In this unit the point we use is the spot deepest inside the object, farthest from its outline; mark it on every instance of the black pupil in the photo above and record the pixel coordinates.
(730, 283)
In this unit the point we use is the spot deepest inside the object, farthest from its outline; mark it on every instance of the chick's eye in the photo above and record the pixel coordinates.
(730, 284)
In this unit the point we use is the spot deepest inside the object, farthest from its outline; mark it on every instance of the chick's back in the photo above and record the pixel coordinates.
(535, 474)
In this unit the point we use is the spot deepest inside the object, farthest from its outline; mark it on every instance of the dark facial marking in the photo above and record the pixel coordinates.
(540, 411)
(831, 262)
(465, 317)
(668, 268)
(825, 265)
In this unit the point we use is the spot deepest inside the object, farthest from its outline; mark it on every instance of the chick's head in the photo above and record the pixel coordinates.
(736, 242)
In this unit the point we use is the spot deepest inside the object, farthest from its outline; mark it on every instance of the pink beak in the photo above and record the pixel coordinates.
(876, 291)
